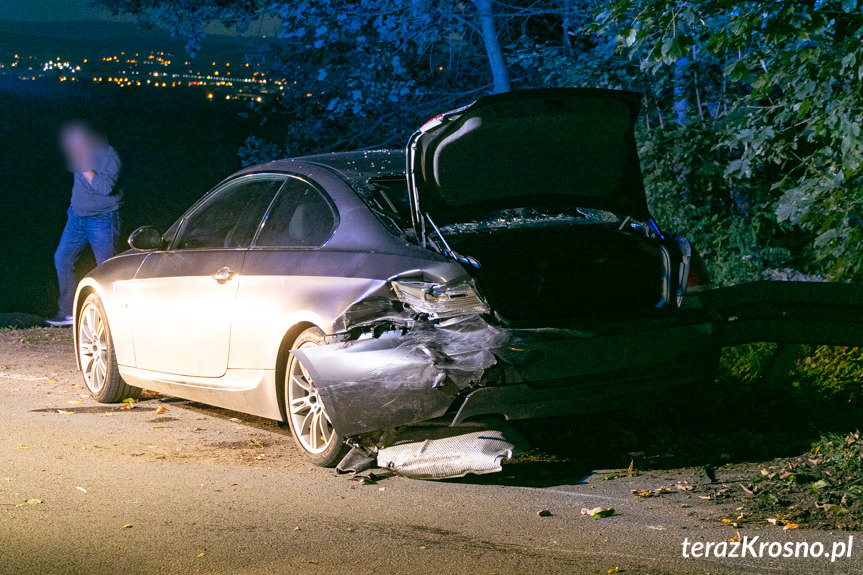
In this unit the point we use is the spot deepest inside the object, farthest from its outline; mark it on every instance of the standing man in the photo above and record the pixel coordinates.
(94, 213)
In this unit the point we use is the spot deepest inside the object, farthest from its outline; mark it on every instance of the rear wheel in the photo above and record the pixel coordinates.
(307, 415)
(97, 357)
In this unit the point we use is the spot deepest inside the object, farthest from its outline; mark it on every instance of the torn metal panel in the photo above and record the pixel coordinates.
(476, 452)
(396, 379)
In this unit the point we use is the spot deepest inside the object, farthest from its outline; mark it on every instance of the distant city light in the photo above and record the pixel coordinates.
(124, 70)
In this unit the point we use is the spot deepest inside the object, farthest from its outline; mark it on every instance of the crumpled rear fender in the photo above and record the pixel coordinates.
(398, 379)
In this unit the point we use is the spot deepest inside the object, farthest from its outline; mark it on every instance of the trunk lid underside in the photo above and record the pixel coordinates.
(547, 149)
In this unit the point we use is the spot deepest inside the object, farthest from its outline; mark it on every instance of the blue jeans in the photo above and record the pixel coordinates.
(100, 232)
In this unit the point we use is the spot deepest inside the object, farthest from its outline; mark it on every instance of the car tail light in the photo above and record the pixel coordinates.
(698, 279)
(440, 301)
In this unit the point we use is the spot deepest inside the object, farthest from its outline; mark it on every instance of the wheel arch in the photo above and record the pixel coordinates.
(284, 352)
(84, 291)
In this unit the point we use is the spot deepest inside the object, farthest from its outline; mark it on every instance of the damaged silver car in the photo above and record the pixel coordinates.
(504, 265)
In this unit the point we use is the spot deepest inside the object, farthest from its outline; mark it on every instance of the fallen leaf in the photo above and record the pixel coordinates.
(256, 443)
(236, 420)
(50, 381)
(108, 414)
(544, 513)
(597, 512)
(130, 400)
(161, 409)
(125, 406)
(158, 427)
(75, 401)
(23, 447)
(791, 526)
(127, 526)
(33, 501)
(615, 570)
(201, 554)
(297, 528)
(726, 520)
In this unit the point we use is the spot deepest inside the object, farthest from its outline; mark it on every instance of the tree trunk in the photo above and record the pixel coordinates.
(499, 71)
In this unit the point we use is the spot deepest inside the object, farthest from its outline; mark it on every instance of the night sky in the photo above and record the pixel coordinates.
(53, 10)
(66, 10)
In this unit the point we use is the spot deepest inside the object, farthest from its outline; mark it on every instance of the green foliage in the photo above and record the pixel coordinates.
(786, 109)
(835, 372)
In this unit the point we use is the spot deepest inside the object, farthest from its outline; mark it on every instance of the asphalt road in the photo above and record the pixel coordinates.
(200, 490)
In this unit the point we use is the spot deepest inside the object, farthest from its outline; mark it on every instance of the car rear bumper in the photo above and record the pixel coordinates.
(471, 368)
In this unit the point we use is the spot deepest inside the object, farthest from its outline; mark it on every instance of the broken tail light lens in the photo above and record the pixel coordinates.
(440, 301)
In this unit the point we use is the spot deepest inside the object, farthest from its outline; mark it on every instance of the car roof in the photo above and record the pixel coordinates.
(354, 166)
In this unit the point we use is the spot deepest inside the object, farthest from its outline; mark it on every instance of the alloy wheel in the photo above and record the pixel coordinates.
(309, 418)
(93, 348)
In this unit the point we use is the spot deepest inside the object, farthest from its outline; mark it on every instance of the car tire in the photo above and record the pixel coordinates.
(96, 354)
(306, 414)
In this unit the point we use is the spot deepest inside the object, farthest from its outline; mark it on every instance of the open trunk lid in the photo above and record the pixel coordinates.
(551, 149)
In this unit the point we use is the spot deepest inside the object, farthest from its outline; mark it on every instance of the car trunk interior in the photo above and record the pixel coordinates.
(544, 276)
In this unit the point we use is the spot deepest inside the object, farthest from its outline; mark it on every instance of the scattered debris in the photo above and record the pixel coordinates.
(454, 456)
(127, 526)
(81, 489)
(645, 493)
(820, 489)
(597, 512)
(161, 409)
(544, 513)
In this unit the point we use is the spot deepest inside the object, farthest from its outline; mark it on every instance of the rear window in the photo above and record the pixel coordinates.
(387, 198)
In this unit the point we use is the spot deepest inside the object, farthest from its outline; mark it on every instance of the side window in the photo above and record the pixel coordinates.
(300, 217)
(230, 217)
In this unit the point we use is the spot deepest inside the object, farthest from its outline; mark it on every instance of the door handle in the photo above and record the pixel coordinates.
(223, 275)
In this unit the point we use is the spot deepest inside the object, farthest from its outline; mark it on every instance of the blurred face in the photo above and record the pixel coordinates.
(77, 144)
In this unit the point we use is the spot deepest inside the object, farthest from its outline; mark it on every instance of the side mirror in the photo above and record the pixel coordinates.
(145, 238)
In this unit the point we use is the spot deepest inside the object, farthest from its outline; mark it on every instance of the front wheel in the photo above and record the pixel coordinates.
(97, 357)
(307, 416)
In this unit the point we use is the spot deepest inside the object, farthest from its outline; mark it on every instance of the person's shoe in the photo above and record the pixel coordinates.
(60, 320)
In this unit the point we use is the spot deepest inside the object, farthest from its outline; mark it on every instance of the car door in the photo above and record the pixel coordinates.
(287, 277)
(183, 298)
